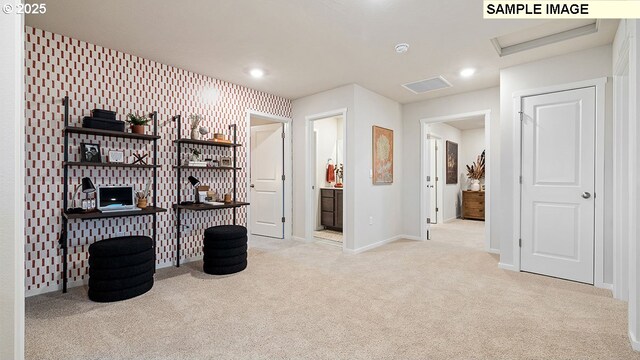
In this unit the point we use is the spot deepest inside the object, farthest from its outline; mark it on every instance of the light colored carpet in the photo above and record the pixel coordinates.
(328, 235)
(441, 299)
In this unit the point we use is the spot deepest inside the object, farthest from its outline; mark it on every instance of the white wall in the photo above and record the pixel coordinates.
(627, 231)
(583, 65)
(450, 202)
(487, 99)
(363, 200)
(335, 99)
(379, 202)
(473, 143)
(12, 144)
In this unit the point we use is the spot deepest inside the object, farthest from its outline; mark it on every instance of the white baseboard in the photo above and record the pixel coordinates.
(507, 267)
(410, 237)
(635, 344)
(493, 251)
(373, 246)
(298, 238)
(604, 286)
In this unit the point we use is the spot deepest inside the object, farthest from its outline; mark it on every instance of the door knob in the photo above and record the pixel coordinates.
(586, 195)
(252, 186)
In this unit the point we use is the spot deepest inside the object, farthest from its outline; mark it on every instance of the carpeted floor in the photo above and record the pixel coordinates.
(441, 299)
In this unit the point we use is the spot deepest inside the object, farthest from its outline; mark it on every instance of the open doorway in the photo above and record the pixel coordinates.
(328, 154)
(454, 182)
(269, 177)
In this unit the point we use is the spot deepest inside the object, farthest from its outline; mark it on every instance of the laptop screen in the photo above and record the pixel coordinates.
(110, 196)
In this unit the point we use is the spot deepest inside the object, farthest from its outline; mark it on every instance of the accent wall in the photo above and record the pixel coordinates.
(97, 77)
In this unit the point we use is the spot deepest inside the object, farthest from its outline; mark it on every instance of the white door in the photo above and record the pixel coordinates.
(267, 201)
(434, 187)
(429, 175)
(558, 183)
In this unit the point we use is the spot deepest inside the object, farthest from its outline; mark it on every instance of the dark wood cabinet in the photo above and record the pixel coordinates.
(331, 208)
(473, 205)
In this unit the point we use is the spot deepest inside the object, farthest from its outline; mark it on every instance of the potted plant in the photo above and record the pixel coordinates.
(475, 172)
(138, 122)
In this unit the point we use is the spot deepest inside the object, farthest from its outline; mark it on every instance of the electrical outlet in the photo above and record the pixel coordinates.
(370, 220)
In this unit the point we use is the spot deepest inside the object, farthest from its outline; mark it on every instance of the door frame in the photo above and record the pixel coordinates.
(599, 85)
(424, 123)
(287, 167)
(309, 175)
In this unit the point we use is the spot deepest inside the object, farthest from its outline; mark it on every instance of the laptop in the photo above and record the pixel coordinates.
(116, 198)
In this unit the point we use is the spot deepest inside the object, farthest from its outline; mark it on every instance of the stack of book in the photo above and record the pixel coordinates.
(198, 163)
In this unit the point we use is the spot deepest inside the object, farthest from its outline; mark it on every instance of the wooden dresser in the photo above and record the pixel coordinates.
(331, 207)
(473, 205)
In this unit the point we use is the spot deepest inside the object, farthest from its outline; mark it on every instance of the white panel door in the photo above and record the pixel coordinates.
(558, 183)
(267, 201)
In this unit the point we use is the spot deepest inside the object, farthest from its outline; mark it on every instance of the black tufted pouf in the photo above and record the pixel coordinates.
(225, 249)
(121, 268)
(225, 232)
(224, 270)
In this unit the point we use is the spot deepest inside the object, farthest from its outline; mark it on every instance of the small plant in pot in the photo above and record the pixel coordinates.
(475, 172)
(138, 122)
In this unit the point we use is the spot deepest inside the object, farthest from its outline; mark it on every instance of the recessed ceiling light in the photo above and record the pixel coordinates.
(402, 48)
(256, 73)
(467, 72)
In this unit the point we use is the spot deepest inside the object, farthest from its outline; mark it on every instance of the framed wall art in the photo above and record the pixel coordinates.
(382, 155)
(452, 162)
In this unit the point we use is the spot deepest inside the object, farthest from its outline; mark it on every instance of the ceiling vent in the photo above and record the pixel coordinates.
(423, 86)
(545, 34)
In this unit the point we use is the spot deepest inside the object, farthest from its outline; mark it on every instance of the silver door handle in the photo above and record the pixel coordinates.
(586, 195)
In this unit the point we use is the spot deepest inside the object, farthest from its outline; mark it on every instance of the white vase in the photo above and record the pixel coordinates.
(475, 185)
(195, 134)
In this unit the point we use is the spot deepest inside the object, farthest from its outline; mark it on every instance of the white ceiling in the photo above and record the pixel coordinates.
(308, 46)
(476, 122)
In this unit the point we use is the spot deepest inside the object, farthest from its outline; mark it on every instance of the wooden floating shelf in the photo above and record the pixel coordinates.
(206, 167)
(200, 207)
(95, 214)
(205, 142)
(109, 133)
(114, 165)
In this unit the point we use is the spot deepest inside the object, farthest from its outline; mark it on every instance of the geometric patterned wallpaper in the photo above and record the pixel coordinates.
(96, 77)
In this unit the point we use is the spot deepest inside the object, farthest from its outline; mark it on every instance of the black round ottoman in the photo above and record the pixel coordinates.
(225, 249)
(121, 268)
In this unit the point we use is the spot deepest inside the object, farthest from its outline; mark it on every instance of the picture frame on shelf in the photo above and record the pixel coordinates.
(226, 162)
(116, 156)
(90, 153)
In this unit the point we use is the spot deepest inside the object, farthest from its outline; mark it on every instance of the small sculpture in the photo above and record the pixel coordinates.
(195, 123)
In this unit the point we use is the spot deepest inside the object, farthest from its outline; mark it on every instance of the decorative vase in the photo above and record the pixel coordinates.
(142, 203)
(475, 185)
(137, 129)
(195, 134)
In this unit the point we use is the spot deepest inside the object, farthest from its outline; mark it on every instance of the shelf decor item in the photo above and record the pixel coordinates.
(90, 153)
(138, 122)
(142, 196)
(382, 155)
(116, 157)
(87, 187)
(195, 126)
(225, 162)
(475, 172)
(452, 163)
